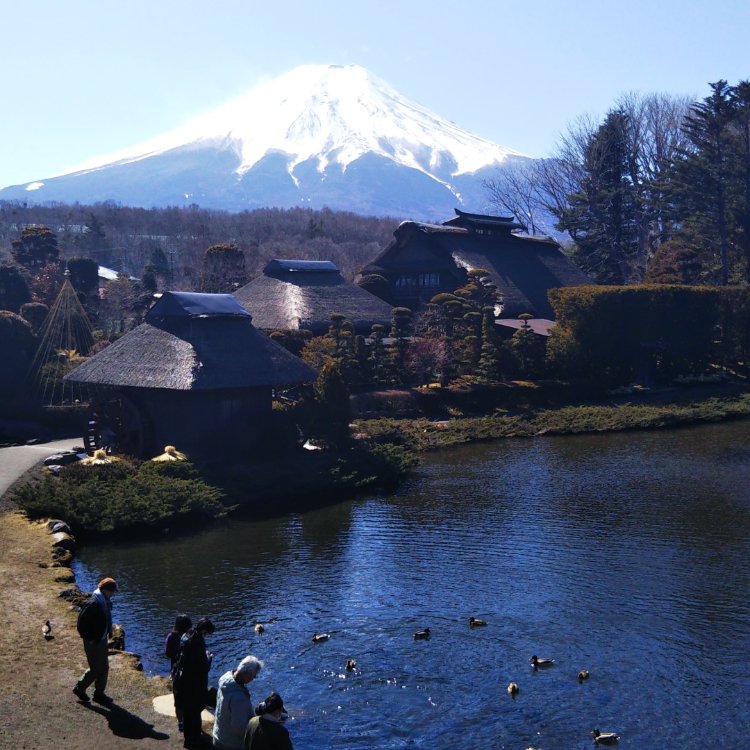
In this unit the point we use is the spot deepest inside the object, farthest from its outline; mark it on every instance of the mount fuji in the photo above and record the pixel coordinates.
(320, 135)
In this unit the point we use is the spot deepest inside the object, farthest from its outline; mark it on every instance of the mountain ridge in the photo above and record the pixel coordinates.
(335, 136)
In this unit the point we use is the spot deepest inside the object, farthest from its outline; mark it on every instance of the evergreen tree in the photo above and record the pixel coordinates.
(36, 247)
(401, 329)
(332, 398)
(84, 274)
(488, 368)
(14, 289)
(702, 180)
(601, 216)
(740, 100)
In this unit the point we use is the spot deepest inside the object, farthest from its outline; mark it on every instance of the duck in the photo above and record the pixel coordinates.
(259, 628)
(351, 665)
(513, 689)
(47, 631)
(320, 637)
(536, 662)
(605, 738)
(475, 622)
(583, 675)
(422, 635)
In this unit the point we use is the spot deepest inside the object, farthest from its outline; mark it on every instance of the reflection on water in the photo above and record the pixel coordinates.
(622, 554)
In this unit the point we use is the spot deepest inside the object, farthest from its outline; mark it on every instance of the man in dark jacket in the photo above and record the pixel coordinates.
(190, 681)
(266, 731)
(94, 626)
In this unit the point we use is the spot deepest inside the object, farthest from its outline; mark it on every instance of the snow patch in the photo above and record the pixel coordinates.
(34, 186)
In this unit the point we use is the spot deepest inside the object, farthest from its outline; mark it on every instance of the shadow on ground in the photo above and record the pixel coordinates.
(124, 724)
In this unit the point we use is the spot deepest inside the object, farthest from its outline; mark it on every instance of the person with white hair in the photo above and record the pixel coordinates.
(234, 707)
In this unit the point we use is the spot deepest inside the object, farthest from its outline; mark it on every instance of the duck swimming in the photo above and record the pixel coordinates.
(513, 689)
(422, 635)
(351, 665)
(320, 637)
(605, 738)
(583, 675)
(537, 663)
(475, 622)
(259, 627)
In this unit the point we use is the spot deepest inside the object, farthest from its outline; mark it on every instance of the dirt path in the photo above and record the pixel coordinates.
(37, 708)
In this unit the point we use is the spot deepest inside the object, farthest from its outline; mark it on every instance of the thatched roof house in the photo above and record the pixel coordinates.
(196, 374)
(425, 259)
(293, 294)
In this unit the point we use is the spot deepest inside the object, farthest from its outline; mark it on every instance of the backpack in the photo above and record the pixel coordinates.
(87, 619)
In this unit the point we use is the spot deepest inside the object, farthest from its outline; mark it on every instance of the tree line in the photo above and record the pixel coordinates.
(658, 191)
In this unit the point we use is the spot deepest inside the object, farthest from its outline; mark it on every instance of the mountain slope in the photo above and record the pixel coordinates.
(317, 136)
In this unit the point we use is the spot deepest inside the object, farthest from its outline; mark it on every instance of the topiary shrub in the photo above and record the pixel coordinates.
(96, 499)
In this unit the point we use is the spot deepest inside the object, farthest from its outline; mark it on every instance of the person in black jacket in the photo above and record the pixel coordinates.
(266, 731)
(190, 681)
(94, 626)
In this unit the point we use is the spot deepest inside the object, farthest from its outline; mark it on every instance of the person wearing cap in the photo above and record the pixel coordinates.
(234, 706)
(266, 731)
(190, 684)
(94, 627)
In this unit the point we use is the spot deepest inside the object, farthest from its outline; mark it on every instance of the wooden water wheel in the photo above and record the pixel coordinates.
(117, 425)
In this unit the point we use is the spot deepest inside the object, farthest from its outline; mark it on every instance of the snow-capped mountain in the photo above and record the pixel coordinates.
(333, 136)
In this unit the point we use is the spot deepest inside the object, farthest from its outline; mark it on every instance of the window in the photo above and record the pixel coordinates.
(430, 280)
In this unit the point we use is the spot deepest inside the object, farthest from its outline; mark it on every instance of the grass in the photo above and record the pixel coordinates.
(425, 435)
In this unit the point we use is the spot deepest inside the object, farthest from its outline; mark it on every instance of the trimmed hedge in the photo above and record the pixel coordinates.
(120, 496)
(612, 334)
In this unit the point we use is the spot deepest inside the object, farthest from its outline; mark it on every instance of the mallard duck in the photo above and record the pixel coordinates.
(259, 627)
(320, 637)
(513, 689)
(536, 662)
(475, 622)
(605, 738)
(47, 631)
(583, 675)
(422, 635)
(351, 665)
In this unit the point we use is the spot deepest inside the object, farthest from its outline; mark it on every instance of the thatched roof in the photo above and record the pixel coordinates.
(523, 268)
(194, 342)
(293, 294)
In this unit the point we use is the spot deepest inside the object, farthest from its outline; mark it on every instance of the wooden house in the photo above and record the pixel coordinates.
(303, 294)
(425, 259)
(196, 374)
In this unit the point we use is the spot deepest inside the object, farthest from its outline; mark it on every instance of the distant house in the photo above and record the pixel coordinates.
(425, 259)
(196, 374)
(105, 275)
(303, 294)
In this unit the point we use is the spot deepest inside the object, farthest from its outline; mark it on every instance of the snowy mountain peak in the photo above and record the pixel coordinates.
(333, 114)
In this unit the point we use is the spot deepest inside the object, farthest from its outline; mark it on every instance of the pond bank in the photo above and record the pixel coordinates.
(647, 411)
(38, 707)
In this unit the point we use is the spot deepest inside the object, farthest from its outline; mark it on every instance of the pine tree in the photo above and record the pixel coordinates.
(601, 217)
(702, 181)
(36, 247)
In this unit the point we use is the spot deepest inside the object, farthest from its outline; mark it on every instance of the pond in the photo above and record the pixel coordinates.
(623, 554)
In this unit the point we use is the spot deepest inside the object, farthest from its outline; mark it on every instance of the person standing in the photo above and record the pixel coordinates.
(190, 683)
(182, 625)
(234, 707)
(267, 731)
(94, 627)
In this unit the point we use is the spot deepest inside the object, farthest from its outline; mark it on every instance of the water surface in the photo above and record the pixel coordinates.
(623, 554)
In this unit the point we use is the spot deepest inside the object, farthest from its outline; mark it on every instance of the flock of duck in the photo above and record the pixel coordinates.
(537, 662)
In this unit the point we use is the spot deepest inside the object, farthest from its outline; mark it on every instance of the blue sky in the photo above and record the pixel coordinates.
(84, 78)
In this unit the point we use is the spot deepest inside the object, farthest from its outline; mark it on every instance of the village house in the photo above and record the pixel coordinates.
(196, 374)
(303, 294)
(425, 259)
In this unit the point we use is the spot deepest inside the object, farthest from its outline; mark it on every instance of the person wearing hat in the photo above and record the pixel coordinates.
(234, 706)
(266, 731)
(94, 627)
(190, 681)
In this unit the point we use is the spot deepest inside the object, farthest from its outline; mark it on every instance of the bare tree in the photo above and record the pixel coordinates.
(517, 191)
